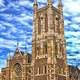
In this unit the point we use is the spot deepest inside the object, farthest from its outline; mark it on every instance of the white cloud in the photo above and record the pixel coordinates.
(76, 19)
(75, 26)
(2, 3)
(25, 3)
(66, 22)
(71, 10)
(72, 6)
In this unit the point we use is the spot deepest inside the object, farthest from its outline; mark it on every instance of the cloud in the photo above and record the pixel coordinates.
(2, 3)
(16, 25)
(72, 6)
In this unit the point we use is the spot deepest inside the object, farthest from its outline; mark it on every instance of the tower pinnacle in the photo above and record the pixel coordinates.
(17, 44)
(60, 6)
(9, 56)
(49, 2)
(35, 1)
(35, 5)
(60, 2)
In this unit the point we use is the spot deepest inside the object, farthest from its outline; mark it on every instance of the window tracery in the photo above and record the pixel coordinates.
(40, 22)
(57, 29)
(46, 23)
(18, 71)
(45, 48)
(38, 50)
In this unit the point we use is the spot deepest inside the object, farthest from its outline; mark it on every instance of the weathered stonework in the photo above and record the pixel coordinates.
(48, 59)
(48, 25)
(18, 67)
(0, 76)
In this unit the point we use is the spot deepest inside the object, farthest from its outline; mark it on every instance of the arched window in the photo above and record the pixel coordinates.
(40, 22)
(56, 49)
(18, 71)
(57, 27)
(45, 69)
(45, 48)
(46, 23)
(38, 50)
(39, 25)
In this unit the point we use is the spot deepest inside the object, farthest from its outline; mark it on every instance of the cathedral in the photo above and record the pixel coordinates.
(48, 60)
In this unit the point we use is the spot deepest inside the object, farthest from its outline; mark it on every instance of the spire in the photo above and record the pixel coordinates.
(60, 6)
(26, 46)
(17, 44)
(35, 1)
(35, 4)
(49, 2)
(60, 9)
(17, 47)
(60, 2)
(8, 59)
(9, 56)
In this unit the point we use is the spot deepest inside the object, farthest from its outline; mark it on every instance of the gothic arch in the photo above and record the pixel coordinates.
(17, 72)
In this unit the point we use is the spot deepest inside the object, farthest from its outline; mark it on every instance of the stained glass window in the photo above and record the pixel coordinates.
(18, 69)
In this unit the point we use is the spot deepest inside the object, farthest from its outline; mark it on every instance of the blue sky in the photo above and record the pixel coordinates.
(16, 18)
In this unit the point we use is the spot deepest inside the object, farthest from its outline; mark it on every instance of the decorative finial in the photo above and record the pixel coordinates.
(60, 2)
(25, 48)
(35, 5)
(50, 2)
(60, 6)
(9, 56)
(17, 44)
(35, 1)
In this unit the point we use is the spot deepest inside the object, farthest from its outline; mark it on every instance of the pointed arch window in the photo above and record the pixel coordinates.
(18, 69)
(39, 25)
(38, 50)
(17, 72)
(57, 26)
(45, 48)
(45, 69)
(46, 23)
(40, 22)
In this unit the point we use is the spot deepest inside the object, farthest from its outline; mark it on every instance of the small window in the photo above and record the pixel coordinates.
(45, 69)
(39, 26)
(45, 48)
(46, 23)
(29, 71)
(38, 50)
(57, 17)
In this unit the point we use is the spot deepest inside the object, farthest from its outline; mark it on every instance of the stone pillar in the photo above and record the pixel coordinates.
(61, 21)
(49, 52)
(50, 13)
(35, 30)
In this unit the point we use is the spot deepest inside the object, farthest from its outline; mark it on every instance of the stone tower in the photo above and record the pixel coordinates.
(48, 43)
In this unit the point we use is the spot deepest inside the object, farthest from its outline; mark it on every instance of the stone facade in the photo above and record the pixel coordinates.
(48, 43)
(74, 73)
(0, 76)
(48, 59)
(18, 67)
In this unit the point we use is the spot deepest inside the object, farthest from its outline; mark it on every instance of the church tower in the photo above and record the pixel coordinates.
(48, 43)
